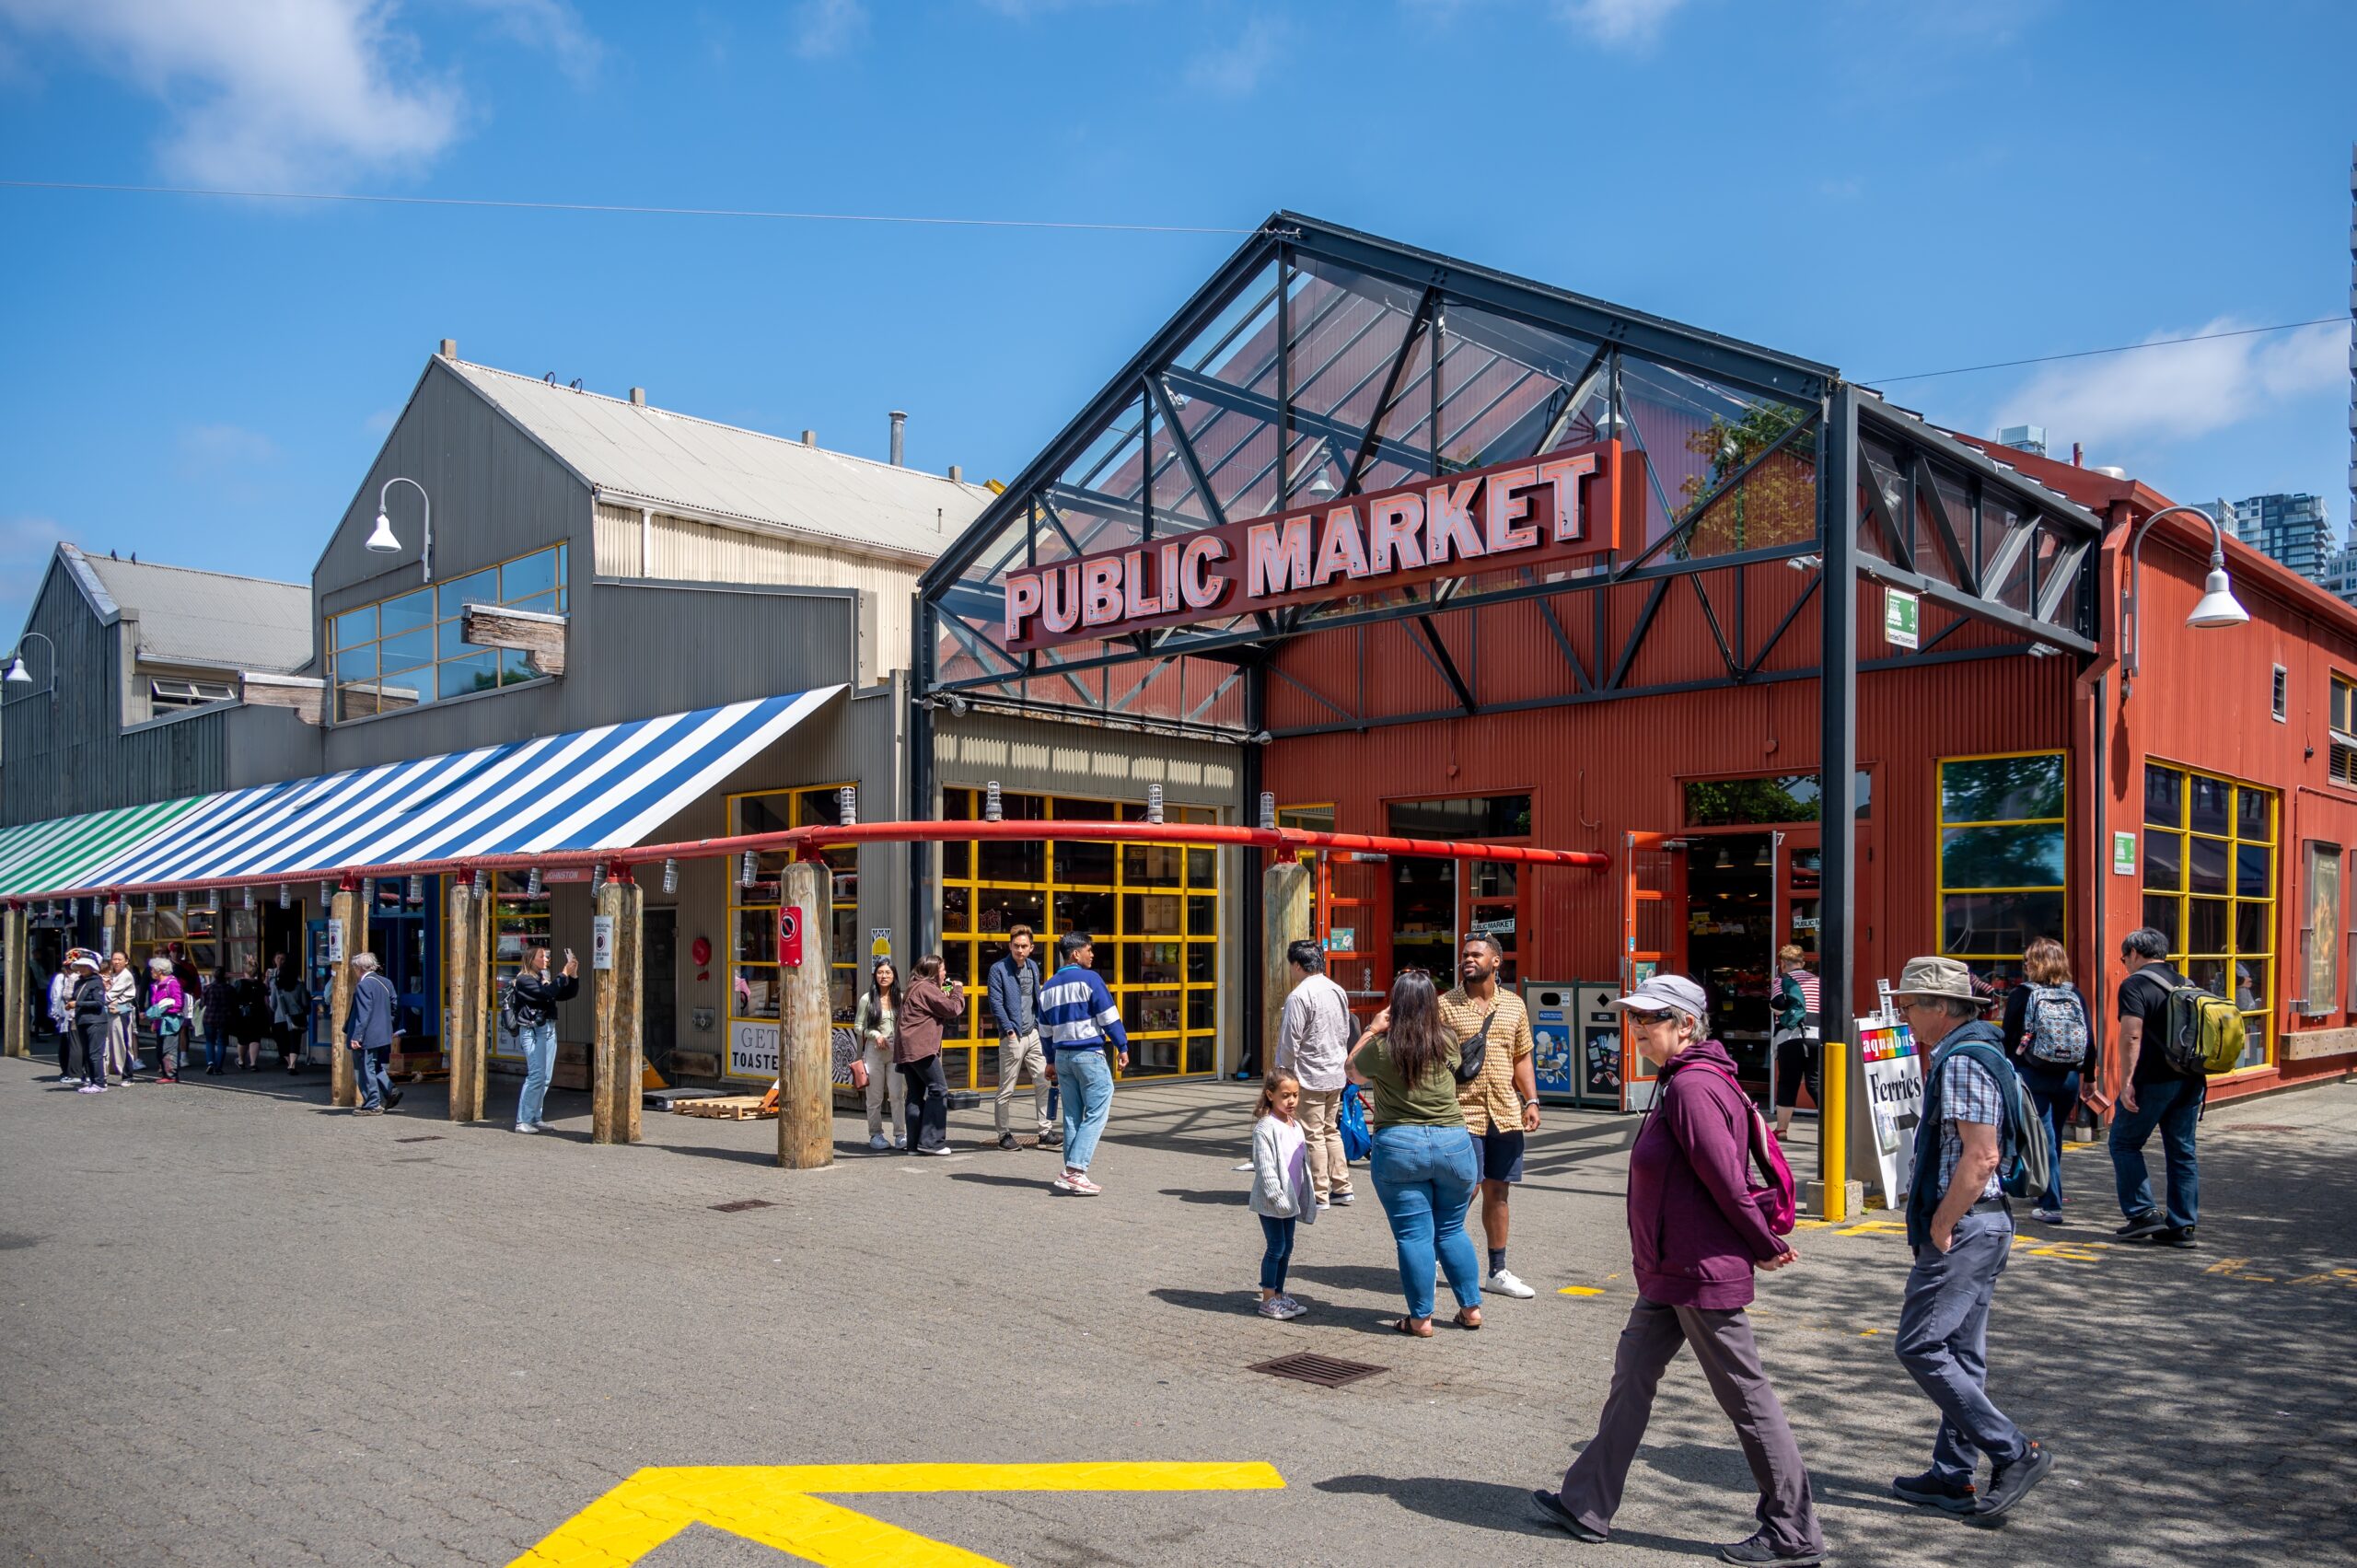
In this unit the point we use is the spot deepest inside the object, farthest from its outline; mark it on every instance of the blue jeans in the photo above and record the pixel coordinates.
(369, 1064)
(1278, 1257)
(1425, 1177)
(2055, 1100)
(1944, 1344)
(539, 1042)
(2173, 1106)
(216, 1044)
(1086, 1079)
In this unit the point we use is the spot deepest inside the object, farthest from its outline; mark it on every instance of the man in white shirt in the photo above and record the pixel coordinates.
(1312, 1043)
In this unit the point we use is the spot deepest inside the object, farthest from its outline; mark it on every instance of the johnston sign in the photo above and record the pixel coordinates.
(1565, 506)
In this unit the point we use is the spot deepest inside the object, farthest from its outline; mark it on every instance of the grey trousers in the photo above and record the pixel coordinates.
(1723, 1343)
(1944, 1344)
(1017, 1055)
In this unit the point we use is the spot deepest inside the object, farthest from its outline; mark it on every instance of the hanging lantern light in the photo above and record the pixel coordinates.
(847, 804)
(246, 898)
(151, 903)
(416, 888)
(747, 870)
(598, 877)
(994, 809)
(1268, 812)
(474, 882)
(1153, 803)
(179, 901)
(285, 896)
(532, 886)
(670, 875)
(326, 895)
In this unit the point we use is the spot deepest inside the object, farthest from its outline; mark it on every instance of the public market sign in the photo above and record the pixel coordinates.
(1537, 512)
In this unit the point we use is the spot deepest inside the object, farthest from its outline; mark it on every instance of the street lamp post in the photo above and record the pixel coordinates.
(18, 676)
(2218, 605)
(384, 542)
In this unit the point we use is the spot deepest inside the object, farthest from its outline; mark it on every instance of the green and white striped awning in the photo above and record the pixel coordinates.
(38, 856)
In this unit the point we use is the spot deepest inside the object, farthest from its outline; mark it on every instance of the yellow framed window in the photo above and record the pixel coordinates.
(519, 920)
(2209, 880)
(2004, 868)
(1153, 910)
(754, 989)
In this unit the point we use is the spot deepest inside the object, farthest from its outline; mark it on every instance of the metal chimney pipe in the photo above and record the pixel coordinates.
(900, 435)
(957, 474)
(810, 437)
(638, 396)
(450, 348)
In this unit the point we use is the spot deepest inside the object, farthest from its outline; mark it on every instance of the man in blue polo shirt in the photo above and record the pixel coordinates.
(1082, 1025)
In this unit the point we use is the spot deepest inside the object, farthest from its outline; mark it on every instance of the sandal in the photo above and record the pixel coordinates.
(1460, 1320)
(1407, 1326)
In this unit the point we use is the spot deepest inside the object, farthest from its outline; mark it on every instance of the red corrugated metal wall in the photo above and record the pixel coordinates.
(1598, 770)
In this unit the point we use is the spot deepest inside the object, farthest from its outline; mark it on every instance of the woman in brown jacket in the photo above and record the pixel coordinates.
(932, 1004)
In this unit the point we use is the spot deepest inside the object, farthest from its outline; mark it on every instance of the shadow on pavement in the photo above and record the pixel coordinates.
(1198, 1195)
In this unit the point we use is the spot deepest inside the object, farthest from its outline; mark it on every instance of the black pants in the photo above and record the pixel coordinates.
(66, 1051)
(94, 1033)
(927, 1102)
(1798, 1058)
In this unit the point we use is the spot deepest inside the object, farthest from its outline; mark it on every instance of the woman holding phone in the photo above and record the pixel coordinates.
(535, 994)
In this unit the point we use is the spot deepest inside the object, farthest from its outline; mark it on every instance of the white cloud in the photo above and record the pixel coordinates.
(265, 93)
(381, 423)
(1634, 23)
(1237, 67)
(823, 28)
(2177, 390)
(552, 26)
(219, 449)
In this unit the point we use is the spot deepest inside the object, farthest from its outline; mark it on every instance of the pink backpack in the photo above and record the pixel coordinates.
(1775, 1202)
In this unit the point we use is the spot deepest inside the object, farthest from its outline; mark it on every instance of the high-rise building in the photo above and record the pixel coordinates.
(2294, 529)
(2339, 575)
(2029, 438)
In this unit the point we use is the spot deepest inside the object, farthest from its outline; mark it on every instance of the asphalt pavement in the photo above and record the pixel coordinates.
(245, 1328)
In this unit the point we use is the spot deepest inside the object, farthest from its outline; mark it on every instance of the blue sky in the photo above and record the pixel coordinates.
(1888, 188)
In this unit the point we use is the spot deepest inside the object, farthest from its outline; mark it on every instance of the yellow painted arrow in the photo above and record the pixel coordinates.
(774, 1504)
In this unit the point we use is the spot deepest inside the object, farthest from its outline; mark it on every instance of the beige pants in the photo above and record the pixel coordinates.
(1321, 1124)
(1016, 1052)
(883, 1078)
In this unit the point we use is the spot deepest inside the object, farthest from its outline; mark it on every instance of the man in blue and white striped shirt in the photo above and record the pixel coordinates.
(1082, 1025)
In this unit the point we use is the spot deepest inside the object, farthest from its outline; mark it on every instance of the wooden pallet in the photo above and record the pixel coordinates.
(727, 1108)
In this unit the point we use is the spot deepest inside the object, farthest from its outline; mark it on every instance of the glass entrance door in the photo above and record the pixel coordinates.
(1493, 909)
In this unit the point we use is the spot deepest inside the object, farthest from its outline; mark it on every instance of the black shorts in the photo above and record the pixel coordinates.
(1502, 1155)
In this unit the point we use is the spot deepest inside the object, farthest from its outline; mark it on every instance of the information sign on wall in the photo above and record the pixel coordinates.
(752, 1050)
(1900, 613)
(602, 942)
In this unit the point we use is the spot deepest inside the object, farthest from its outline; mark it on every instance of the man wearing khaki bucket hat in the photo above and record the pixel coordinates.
(1961, 1228)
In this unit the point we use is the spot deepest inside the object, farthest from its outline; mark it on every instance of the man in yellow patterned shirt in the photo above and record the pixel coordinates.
(1500, 1104)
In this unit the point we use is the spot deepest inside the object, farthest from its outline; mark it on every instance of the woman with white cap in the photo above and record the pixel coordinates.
(1697, 1235)
(93, 1024)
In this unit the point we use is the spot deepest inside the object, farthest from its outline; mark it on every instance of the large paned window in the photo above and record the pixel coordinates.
(408, 650)
(197, 940)
(2210, 889)
(1153, 910)
(755, 987)
(2343, 758)
(2003, 872)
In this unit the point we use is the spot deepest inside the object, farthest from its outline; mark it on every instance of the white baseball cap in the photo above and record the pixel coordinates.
(1667, 994)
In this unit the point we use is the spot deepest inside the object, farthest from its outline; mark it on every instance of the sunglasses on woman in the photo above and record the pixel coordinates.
(1636, 1017)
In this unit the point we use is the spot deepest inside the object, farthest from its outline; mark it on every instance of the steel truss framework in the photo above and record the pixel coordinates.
(1322, 363)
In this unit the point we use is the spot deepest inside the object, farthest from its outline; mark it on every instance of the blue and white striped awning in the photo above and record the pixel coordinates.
(604, 788)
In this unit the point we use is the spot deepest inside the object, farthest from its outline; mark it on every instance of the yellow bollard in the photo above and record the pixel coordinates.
(1833, 1135)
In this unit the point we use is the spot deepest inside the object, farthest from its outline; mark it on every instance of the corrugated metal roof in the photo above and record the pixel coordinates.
(207, 618)
(637, 455)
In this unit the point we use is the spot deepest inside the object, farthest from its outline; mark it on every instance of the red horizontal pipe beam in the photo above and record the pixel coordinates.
(811, 841)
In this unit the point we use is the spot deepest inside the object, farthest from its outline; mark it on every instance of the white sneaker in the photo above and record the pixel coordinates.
(880, 1143)
(2047, 1216)
(1504, 1283)
(1081, 1186)
(1343, 1200)
(900, 1144)
(68, 1082)
(91, 1089)
(1282, 1308)
(1063, 1183)
(1324, 1204)
(528, 1127)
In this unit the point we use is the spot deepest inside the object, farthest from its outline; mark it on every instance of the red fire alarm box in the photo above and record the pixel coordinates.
(789, 936)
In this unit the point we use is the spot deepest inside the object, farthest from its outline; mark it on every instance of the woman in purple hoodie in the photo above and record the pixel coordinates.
(1697, 1236)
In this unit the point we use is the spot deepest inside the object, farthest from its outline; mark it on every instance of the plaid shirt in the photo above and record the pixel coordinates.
(1967, 1094)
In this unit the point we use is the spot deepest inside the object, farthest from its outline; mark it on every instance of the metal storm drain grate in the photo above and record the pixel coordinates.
(1323, 1370)
(741, 1204)
(423, 1138)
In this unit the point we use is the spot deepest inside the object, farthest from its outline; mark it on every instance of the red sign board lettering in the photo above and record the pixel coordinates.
(1564, 507)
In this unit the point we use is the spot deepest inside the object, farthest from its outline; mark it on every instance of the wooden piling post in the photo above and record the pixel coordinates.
(617, 1074)
(462, 1011)
(349, 913)
(1286, 920)
(18, 1033)
(806, 1025)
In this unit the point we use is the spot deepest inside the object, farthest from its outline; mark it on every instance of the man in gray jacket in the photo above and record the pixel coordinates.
(1312, 1040)
(1014, 1002)
(368, 1034)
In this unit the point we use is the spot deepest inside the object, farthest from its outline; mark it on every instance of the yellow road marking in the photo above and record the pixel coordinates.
(1579, 1290)
(773, 1504)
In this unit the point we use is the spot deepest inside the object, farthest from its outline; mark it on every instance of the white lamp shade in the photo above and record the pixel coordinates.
(2218, 605)
(382, 540)
(17, 674)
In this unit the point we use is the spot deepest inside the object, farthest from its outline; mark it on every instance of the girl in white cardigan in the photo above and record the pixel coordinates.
(1280, 1190)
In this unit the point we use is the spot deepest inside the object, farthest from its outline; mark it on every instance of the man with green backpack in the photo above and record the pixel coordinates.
(2172, 1035)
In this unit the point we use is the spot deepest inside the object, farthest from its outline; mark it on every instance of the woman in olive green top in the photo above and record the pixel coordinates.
(1423, 1164)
